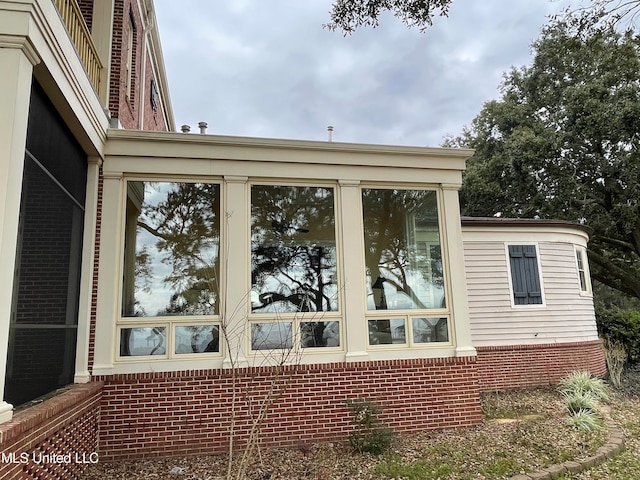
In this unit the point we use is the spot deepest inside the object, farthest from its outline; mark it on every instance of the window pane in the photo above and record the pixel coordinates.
(293, 249)
(383, 332)
(271, 336)
(171, 249)
(427, 330)
(582, 271)
(142, 341)
(197, 339)
(402, 249)
(319, 334)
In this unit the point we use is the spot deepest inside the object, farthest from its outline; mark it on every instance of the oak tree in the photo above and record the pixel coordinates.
(563, 142)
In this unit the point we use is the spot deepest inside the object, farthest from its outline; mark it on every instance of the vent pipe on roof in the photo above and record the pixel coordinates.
(203, 127)
(330, 133)
(185, 128)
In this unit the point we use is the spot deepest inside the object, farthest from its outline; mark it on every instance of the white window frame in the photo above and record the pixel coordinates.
(170, 322)
(581, 256)
(296, 318)
(540, 276)
(409, 314)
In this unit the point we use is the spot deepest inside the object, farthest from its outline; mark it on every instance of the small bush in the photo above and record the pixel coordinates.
(620, 325)
(582, 394)
(616, 357)
(583, 384)
(369, 435)
(585, 421)
(580, 402)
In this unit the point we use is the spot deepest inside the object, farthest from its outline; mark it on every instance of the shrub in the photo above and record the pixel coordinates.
(583, 384)
(580, 402)
(369, 435)
(583, 420)
(582, 394)
(620, 325)
(616, 357)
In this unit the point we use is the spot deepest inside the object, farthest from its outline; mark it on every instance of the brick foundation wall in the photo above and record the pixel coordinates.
(66, 424)
(189, 412)
(519, 366)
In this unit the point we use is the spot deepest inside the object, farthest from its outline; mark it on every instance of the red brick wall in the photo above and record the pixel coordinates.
(66, 424)
(188, 412)
(153, 119)
(517, 366)
(96, 261)
(125, 109)
(86, 7)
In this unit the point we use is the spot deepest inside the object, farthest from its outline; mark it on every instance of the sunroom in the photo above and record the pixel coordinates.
(223, 250)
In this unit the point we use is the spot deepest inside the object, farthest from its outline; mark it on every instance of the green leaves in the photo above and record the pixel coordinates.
(349, 15)
(563, 142)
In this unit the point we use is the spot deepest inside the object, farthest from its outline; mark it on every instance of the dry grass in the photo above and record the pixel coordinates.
(523, 431)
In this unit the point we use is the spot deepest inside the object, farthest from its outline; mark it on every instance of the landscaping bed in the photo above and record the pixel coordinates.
(523, 431)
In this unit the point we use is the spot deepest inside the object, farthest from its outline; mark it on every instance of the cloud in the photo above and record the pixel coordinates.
(261, 68)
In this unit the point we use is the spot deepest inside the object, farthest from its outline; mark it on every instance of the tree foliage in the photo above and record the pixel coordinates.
(608, 12)
(563, 141)
(349, 15)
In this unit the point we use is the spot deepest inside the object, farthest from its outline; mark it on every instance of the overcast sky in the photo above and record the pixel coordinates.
(267, 68)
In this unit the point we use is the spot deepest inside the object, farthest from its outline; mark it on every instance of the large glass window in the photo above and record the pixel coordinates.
(293, 268)
(171, 269)
(403, 267)
(402, 250)
(293, 249)
(172, 249)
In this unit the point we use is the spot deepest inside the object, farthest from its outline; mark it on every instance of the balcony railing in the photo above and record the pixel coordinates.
(81, 37)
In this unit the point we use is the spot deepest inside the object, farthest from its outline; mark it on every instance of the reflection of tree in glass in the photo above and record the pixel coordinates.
(293, 255)
(186, 225)
(393, 219)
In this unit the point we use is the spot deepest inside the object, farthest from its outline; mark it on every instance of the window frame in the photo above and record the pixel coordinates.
(538, 264)
(170, 322)
(409, 314)
(296, 318)
(582, 256)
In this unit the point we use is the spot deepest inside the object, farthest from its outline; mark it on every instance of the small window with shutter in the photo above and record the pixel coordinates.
(525, 278)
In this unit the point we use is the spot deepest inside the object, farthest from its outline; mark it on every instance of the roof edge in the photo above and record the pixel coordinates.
(523, 222)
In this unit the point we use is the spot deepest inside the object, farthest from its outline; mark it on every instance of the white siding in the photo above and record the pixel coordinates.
(566, 316)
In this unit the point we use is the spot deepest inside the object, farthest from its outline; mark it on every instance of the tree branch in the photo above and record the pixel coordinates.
(614, 242)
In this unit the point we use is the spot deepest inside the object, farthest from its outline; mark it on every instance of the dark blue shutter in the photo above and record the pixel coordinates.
(524, 275)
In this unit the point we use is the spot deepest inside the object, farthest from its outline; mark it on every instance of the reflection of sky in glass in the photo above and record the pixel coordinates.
(427, 330)
(431, 296)
(197, 339)
(154, 292)
(293, 254)
(144, 341)
(388, 331)
(319, 334)
(159, 293)
(271, 336)
(402, 241)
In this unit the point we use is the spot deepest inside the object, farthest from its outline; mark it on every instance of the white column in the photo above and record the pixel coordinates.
(108, 309)
(17, 58)
(82, 374)
(235, 261)
(353, 278)
(457, 276)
